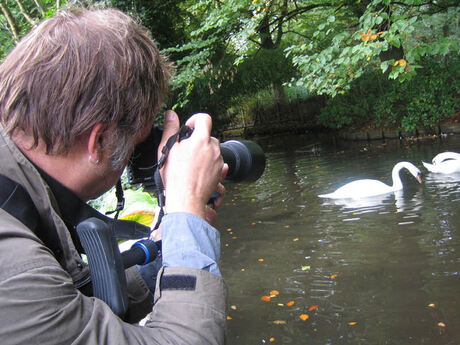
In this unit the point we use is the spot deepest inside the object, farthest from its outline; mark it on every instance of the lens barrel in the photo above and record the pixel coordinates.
(245, 159)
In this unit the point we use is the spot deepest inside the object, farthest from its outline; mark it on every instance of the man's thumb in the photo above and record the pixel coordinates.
(170, 127)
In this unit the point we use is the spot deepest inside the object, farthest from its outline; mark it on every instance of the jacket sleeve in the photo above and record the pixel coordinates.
(40, 305)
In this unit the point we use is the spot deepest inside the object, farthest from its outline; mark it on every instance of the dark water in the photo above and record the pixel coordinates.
(385, 272)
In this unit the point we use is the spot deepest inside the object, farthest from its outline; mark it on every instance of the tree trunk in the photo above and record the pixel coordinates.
(278, 93)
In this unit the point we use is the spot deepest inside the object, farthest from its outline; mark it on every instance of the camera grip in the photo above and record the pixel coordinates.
(106, 268)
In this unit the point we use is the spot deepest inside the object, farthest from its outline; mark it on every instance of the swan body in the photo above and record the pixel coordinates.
(368, 188)
(444, 163)
(440, 157)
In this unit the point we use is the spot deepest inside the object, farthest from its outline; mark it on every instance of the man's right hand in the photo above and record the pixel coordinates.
(194, 168)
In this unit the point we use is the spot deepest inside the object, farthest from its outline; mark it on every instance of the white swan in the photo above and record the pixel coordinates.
(444, 163)
(367, 188)
(440, 157)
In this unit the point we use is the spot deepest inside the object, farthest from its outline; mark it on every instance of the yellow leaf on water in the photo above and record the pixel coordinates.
(304, 317)
(295, 239)
(279, 322)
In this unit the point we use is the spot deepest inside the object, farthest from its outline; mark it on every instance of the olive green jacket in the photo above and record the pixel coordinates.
(39, 303)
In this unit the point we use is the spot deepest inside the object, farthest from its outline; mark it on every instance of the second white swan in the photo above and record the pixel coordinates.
(444, 163)
(367, 187)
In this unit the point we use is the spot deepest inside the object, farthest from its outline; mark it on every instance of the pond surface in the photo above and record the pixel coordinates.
(380, 272)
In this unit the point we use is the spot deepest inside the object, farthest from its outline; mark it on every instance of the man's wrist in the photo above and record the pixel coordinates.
(189, 241)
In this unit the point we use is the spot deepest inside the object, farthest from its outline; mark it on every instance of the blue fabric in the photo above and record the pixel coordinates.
(189, 241)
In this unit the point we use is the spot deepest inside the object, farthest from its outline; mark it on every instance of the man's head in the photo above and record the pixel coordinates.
(79, 69)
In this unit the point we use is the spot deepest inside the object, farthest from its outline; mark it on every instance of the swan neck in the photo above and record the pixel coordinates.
(397, 183)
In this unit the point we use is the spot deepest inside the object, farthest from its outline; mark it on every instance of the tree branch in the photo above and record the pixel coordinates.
(9, 18)
(24, 13)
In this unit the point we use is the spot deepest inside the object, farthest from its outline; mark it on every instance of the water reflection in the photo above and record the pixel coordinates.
(371, 266)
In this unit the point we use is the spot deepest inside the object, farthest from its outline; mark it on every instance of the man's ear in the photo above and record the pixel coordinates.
(95, 142)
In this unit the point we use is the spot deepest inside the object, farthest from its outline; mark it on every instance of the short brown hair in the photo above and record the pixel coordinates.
(78, 68)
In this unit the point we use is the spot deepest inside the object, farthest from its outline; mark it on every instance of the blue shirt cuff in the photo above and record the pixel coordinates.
(189, 241)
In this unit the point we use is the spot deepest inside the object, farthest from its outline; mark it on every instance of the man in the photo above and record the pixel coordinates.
(76, 95)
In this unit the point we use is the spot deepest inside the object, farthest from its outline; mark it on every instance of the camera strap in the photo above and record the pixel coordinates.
(183, 133)
(120, 200)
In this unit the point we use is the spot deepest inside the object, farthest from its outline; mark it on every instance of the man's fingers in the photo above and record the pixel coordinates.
(202, 124)
(170, 127)
(224, 172)
(218, 201)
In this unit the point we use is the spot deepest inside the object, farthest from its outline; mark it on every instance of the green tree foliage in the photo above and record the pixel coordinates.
(19, 16)
(325, 44)
(392, 36)
(427, 99)
(227, 49)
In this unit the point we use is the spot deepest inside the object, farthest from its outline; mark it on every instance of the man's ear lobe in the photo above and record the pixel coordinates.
(95, 142)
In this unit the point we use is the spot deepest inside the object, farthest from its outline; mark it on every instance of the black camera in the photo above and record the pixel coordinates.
(245, 159)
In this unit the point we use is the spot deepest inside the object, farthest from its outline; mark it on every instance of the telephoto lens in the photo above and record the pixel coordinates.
(245, 159)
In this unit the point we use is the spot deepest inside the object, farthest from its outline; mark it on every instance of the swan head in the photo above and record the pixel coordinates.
(412, 169)
(415, 172)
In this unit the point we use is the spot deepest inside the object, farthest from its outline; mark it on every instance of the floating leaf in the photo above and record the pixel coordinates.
(352, 323)
(295, 239)
(290, 303)
(274, 293)
(313, 307)
(304, 317)
(266, 298)
(279, 322)
(305, 268)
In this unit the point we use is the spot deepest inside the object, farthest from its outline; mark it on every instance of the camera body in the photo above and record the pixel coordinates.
(246, 160)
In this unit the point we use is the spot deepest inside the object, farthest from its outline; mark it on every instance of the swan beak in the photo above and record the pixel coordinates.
(419, 178)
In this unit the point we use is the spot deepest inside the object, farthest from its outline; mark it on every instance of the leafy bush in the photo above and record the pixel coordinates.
(427, 99)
